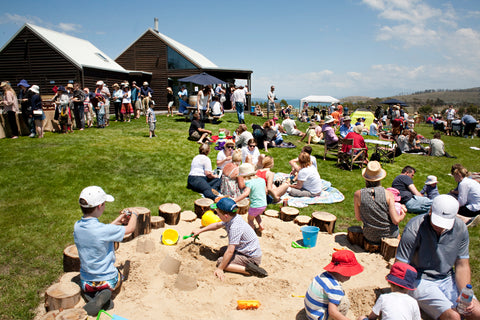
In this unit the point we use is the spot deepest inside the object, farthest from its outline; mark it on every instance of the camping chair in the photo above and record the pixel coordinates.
(332, 150)
(354, 156)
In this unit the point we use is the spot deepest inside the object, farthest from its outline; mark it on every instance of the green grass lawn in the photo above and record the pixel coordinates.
(41, 180)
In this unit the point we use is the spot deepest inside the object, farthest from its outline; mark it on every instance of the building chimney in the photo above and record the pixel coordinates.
(155, 24)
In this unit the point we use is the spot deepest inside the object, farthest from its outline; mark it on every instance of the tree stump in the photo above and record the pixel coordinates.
(355, 235)
(243, 206)
(288, 213)
(302, 220)
(69, 314)
(64, 295)
(271, 213)
(143, 220)
(324, 220)
(157, 222)
(201, 206)
(128, 237)
(171, 213)
(388, 248)
(188, 216)
(71, 261)
(370, 247)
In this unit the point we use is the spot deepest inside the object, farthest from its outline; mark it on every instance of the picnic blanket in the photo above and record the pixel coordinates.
(329, 194)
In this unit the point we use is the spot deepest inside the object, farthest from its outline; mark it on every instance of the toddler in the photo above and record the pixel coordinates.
(397, 304)
(325, 298)
(151, 118)
(430, 189)
(400, 208)
(256, 190)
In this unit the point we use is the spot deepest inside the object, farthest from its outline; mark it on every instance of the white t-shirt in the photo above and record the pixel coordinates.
(222, 156)
(289, 126)
(200, 164)
(313, 160)
(253, 154)
(216, 109)
(202, 100)
(397, 306)
(311, 179)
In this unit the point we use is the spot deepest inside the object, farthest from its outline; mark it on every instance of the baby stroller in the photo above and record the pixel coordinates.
(457, 127)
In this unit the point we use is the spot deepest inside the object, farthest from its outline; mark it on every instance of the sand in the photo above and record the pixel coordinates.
(178, 282)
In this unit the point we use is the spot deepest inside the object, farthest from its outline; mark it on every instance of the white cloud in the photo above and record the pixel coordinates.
(69, 27)
(18, 19)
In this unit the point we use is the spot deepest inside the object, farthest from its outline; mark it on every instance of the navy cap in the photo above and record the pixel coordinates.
(225, 204)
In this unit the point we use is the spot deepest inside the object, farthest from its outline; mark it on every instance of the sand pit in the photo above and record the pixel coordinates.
(177, 282)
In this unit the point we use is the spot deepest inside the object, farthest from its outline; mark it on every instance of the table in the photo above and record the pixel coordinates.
(385, 148)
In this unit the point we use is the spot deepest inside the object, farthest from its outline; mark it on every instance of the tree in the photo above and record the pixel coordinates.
(283, 103)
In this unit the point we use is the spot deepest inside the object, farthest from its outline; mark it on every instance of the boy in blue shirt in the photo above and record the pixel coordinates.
(95, 244)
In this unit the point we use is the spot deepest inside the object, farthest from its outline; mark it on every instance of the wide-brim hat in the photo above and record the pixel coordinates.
(402, 275)
(344, 263)
(347, 118)
(431, 180)
(373, 171)
(23, 83)
(246, 169)
(61, 88)
(35, 89)
(3, 84)
(329, 119)
(358, 129)
(70, 85)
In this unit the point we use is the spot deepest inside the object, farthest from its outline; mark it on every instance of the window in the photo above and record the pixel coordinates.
(176, 61)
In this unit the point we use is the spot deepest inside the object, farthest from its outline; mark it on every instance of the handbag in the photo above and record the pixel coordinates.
(37, 112)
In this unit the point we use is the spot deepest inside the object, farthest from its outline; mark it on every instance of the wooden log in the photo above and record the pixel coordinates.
(201, 206)
(71, 261)
(188, 216)
(388, 248)
(171, 213)
(243, 206)
(288, 213)
(143, 220)
(324, 220)
(302, 220)
(271, 213)
(72, 314)
(370, 247)
(355, 235)
(128, 237)
(50, 315)
(157, 222)
(62, 295)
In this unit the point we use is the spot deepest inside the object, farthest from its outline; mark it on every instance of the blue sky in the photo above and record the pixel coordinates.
(341, 48)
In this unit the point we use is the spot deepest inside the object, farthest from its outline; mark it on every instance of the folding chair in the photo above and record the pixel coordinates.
(332, 150)
(354, 156)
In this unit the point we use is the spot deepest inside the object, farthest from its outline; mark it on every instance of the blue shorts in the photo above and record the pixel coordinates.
(436, 296)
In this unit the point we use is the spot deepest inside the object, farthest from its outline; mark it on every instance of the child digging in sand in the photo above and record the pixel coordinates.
(243, 254)
(325, 298)
(397, 304)
(256, 191)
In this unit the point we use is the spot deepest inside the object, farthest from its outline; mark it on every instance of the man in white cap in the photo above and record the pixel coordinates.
(146, 94)
(95, 244)
(434, 244)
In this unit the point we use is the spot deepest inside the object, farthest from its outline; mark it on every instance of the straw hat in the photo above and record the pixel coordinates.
(246, 169)
(373, 172)
(70, 86)
(358, 129)
(431, 180)
(329, 119)
(229, 142)
(3, 84)
(347, 118)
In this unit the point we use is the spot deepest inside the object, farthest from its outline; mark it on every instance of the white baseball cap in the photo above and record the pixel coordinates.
(444, 211)
(94, 196)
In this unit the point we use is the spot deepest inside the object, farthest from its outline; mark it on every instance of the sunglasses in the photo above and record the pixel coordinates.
(230, 147)
(252, 145)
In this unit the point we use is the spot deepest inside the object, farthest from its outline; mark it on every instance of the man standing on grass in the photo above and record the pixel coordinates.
(240, 100)
(410, 196)
(271, 100)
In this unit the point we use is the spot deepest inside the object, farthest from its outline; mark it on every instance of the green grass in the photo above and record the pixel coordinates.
(41, 179)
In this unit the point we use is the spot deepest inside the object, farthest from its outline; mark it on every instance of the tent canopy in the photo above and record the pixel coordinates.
(202, 79)
(394, 101)
(368, 115)
(318, 99)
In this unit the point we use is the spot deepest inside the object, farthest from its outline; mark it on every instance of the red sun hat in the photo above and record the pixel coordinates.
(344, 263)
(402, 275)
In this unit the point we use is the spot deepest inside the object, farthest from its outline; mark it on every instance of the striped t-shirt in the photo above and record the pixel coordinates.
(323, 289)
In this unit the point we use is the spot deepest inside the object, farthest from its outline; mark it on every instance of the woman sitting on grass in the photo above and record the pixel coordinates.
(201, 178)
(308, 183)
(232, 183)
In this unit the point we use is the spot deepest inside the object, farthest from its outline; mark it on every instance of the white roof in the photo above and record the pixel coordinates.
(195, 57)
(319, 99)
(79, 51)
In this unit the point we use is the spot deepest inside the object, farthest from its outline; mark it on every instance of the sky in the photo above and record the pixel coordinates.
(375, 48)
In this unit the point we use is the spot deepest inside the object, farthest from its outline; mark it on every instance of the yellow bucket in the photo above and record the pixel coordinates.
(209, 217)
(169, 237)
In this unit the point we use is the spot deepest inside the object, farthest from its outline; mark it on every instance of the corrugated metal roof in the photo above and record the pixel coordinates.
(79, 51)
(193, 56)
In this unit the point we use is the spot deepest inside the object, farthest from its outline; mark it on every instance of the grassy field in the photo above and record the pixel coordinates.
(41, 179)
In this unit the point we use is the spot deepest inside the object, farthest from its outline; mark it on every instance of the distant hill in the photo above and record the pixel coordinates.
(456, 97)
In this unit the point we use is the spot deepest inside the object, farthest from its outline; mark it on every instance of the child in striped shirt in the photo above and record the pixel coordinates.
(325, 293)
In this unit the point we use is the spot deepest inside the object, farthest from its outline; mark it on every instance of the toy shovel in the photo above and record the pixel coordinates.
(296, 245)
(190, 235)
